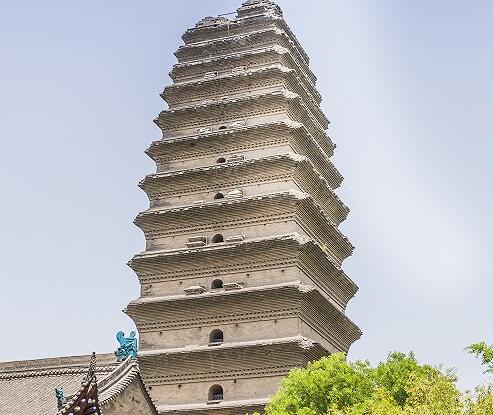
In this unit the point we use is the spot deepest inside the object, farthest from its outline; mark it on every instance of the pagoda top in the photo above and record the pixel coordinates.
(247, 9)
(254, 7)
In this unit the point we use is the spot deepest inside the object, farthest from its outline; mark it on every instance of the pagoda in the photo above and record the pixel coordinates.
(241, 278)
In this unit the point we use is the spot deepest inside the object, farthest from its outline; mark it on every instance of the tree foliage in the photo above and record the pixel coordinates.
(398, 386)
(481, 402)
(485, 352)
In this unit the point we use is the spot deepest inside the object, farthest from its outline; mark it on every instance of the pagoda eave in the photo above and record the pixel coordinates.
(228, 110)
(235, 214)
(222, 47)
(206, 31)
(232, 140)
(274, 357)
(222, 307)
(277, 53)
(224, 176)
(246, 406)
(178, 94)
(248, 256)
(150, 220)
(249, 137)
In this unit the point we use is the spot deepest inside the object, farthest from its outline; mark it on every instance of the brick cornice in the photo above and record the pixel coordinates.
(261, 358)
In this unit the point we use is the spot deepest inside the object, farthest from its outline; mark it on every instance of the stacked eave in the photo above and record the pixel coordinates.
(238, 82)
(247, 256)
(259, 57)
(231, 214)
(234, 140)
(259, 358)
(223, 27)
(245, 305)
(231, 175)
(282, 104)
(245, 406)
(161, 220)
(169, 119)
(255, 40)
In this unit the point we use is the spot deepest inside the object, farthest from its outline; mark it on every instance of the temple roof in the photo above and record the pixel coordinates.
(28, 387)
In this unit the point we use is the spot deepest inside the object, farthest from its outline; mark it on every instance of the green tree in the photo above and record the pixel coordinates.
(485, 352)
(397, 373)
(481, 402)
(399, 386)
(434, 393)
(330, 383)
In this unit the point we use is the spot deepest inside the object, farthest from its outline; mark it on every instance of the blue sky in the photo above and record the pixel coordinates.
(407, 86)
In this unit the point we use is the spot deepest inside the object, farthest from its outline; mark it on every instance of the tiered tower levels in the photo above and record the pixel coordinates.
(241, 276)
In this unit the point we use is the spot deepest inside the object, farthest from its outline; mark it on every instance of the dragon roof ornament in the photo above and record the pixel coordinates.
(128, 346)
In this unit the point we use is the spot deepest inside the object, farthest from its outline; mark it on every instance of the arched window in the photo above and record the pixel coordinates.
(221, 160)
(216, 393)
(217, 238)
(222, 127)
(218, 196)
(216, 337)
(216, 284)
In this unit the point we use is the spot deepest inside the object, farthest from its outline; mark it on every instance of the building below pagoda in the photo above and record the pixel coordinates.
(77, 385)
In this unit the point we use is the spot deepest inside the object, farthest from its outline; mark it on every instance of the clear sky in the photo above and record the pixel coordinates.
(406, 84)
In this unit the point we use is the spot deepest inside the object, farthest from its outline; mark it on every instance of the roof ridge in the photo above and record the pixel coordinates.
(51, 363)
